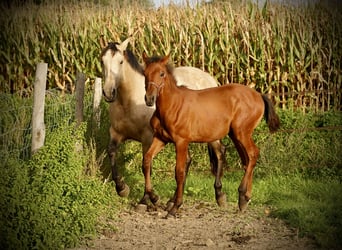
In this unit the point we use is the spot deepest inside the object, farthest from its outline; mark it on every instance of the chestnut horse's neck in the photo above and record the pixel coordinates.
(168, 91)
(170, 80)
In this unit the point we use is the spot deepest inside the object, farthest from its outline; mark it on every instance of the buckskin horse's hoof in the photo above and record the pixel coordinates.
(124, 192)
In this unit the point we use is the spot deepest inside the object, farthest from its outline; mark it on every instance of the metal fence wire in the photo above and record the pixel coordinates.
(16, 120)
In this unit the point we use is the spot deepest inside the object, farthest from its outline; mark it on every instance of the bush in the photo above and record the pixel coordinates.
(48, 202)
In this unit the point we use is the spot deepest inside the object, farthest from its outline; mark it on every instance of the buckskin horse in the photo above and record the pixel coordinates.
(183, 115)
(129, 116)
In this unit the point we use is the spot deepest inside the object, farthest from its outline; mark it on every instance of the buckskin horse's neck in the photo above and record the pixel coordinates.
(132, 87)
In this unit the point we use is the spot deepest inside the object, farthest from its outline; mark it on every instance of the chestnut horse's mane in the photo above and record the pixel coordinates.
(169, 67)
(155, 59)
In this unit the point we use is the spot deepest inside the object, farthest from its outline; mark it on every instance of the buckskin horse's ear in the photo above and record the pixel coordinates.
(102, 42)
(123, 45)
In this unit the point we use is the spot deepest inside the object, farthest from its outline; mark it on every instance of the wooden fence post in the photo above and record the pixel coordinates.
(38, 126)
(80, 82)
(97, 101)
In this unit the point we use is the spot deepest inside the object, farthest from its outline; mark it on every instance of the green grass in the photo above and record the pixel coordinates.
(310, 204)
(298, 176)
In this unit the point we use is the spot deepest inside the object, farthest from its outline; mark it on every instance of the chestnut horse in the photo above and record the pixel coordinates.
(183, 116)
(129, 116)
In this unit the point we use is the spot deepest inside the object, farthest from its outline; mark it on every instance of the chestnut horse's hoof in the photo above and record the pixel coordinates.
(168, 215)
(221, 201)
(172, 213)
(154, 199)
(243, 203)
(169, 206)
(124, 192)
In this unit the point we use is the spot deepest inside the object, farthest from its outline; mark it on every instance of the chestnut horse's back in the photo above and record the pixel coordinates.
(252, 103)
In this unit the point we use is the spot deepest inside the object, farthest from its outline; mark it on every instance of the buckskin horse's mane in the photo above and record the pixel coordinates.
(130, 57)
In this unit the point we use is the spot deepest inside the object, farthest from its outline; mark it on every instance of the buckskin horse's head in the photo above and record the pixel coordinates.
(112, 59)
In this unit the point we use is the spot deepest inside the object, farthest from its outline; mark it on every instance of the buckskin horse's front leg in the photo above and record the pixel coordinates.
(156, 146)
(121, 187)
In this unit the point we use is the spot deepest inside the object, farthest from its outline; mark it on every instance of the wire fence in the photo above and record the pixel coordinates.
(16, 120)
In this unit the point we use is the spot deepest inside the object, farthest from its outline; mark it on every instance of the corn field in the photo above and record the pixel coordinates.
(291, 52)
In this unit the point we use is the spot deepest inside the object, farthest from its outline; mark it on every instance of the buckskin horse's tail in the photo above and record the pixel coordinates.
(271, 116)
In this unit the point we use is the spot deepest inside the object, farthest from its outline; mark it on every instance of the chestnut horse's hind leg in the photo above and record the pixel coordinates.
(217, 162)
(249, 154)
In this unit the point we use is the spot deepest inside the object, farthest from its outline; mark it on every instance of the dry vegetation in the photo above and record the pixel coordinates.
(293, 52)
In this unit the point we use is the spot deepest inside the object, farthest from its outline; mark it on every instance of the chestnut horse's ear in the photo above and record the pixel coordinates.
(165, 59)
(145, 57)
(102, 42)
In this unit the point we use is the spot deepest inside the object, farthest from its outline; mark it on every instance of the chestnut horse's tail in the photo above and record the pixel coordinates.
(271, 116)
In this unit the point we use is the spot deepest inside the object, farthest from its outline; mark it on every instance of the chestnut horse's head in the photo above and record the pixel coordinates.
(112, 59)
(155, 72)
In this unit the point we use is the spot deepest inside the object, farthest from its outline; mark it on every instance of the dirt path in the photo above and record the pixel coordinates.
(201, 226)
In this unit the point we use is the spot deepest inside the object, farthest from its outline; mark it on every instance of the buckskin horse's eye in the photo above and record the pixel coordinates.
(121, 62)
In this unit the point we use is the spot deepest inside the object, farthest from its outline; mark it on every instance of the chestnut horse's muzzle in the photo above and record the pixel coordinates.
(149, 100)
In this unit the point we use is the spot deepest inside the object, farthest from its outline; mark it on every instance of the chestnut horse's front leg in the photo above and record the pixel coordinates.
(181, 159)
(171, 202)
(156, 146)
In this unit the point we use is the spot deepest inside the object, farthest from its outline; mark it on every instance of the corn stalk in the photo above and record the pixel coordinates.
(292, 53)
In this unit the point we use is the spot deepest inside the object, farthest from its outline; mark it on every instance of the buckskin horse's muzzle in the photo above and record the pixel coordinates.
(111, 97)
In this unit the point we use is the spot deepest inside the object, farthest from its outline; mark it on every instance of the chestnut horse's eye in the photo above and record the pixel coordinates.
(162, 74)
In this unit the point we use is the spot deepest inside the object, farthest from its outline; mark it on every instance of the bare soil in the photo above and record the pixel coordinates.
(200, 226)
